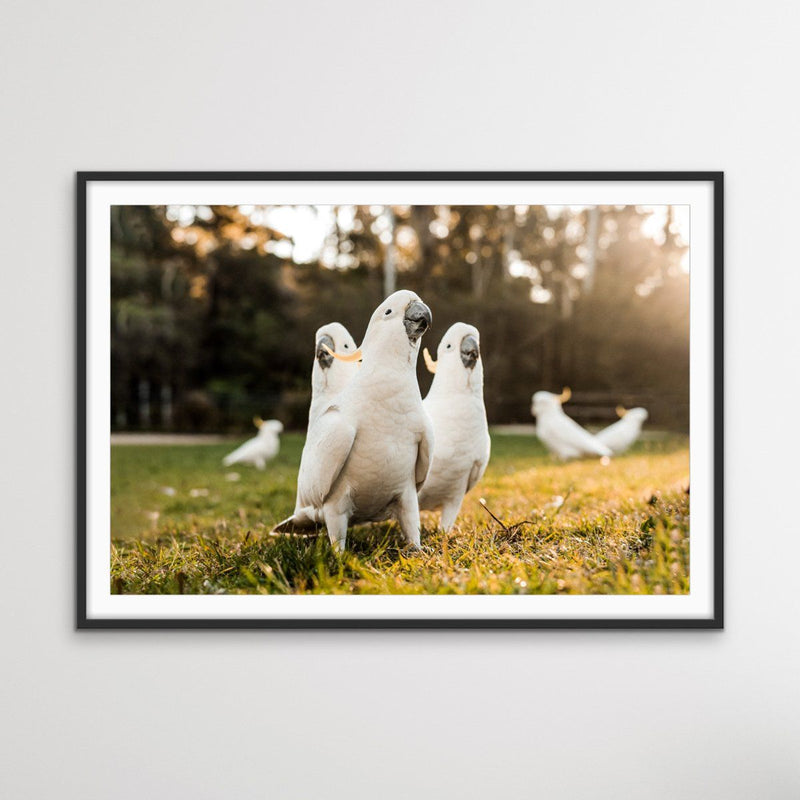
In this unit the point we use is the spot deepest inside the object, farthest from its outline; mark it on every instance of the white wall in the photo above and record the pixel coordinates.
(363, 85)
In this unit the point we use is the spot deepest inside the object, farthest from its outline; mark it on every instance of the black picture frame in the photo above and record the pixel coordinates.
(83, 621)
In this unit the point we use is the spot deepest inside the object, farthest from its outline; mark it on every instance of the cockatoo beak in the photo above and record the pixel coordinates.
(621, 411)
(469, 351)
(417, 320)
(258, 422)
(429, 362)
(357, 356)
(565, 395)
(324, 346)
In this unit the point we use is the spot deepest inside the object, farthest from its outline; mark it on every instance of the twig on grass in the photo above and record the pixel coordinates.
(500, 522)
(509, 529)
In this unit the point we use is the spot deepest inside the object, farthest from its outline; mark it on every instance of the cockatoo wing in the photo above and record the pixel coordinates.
(271, 447)
(248, 450)
(475, 474)
(327, 448)
(424, 453)
(568, 435)
(479, 467)
(260, 448)
(621, 435)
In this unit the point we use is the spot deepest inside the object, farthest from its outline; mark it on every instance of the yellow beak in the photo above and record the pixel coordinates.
(357, 356)
(429, 362)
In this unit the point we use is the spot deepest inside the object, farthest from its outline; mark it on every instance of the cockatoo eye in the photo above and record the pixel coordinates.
(387, 312)
(347, 347)
(449, 346)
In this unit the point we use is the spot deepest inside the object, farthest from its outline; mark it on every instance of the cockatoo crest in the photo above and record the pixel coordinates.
(634, 414)
(544, 402)
(268, 428)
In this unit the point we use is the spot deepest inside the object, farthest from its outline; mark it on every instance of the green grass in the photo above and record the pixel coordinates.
(623, 528)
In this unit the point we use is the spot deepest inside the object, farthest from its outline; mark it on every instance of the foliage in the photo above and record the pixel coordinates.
(214, 309)
(566, 528)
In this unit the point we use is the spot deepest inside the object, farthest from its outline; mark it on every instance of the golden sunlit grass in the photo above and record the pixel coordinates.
(181, 523)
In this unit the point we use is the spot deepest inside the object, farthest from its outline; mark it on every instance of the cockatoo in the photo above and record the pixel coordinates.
(561, 435)
(330, 375)
(261, 448)
(368, 452)
(622, 434)
(460, 432)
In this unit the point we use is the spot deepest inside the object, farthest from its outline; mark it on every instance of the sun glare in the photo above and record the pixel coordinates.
(309, 229)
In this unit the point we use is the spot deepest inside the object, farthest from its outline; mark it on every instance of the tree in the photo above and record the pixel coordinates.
(213, 320)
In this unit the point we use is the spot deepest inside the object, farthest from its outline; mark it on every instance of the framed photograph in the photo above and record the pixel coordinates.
(400, 400)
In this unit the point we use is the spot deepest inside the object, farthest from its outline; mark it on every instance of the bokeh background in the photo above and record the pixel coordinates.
(214, 308)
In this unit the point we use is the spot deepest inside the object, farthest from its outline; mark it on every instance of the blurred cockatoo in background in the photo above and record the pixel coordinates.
(622, 434)
(367, 453)
(330, 375)
(261, 448)
(460, 431)
(560, 434)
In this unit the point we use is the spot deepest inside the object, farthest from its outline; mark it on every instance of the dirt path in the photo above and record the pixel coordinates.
(172, 438)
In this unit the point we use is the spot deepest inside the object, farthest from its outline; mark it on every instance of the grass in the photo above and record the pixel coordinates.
(181, 523)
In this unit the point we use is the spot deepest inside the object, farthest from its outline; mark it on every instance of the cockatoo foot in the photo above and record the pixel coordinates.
(337, 530)
(296, 526)
(416, 549)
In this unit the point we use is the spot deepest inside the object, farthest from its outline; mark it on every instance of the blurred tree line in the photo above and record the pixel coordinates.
(214, 308)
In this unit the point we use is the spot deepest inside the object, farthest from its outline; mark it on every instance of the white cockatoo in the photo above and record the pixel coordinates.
(622, 434)
(261, 448)
(369, 450)
(560, 434)
(460, 431)
(330, 375)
